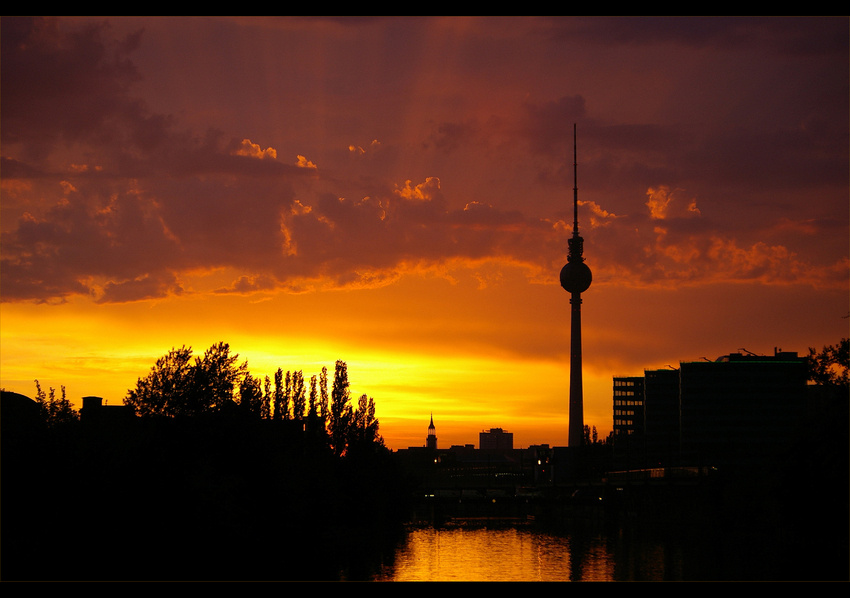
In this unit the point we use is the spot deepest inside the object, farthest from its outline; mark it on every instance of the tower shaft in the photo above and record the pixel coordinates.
(576, 426)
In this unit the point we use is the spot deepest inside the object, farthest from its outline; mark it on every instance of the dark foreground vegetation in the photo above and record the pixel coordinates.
(221, 493)
(214, 499)
(217, 476)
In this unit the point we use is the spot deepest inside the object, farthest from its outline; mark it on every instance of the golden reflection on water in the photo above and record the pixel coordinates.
(511, 554)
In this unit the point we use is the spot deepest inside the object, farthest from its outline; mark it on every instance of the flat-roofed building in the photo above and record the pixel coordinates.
(740, 409)
(495, 439)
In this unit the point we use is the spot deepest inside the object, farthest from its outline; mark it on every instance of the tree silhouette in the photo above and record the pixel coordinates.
(363, 428)
(299, 396)
(251, 396)
(323, 396)
(279, 407)
(176, 386)
(54, 411)
(287, 394)
(216, 376)
(195, 486)
(313, 405)
(165, 390)
(265, 409)
(340, 409)
(830, 366)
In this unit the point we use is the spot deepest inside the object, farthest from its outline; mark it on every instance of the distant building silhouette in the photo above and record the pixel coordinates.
(20, 416)
(735, 411)
(431, 440)
(495, 439)
(94, 411)
(462, 470)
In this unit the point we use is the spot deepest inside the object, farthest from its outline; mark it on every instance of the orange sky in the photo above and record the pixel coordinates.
(397, 193)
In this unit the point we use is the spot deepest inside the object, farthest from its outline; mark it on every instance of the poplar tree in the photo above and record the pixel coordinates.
(287, 394)
(340, 409)
(358, 420)
(278, 395)
(323, 396)
(312, 404)
(299, 395)
(265, 408)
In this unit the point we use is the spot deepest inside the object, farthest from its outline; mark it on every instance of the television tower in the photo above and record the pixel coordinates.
(575, 279)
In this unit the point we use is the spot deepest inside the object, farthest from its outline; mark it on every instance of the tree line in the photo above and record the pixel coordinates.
(221, 475)
(54, 410)
(179, 386)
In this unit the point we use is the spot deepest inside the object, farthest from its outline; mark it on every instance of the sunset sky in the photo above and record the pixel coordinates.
(397, 193)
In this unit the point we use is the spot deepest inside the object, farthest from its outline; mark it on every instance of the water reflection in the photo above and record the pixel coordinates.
(510, 554)
(527, 553)
(600, 551)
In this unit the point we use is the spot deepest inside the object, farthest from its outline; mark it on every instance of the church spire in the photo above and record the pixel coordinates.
(431, 440)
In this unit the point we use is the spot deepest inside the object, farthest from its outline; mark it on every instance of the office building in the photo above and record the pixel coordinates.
(495, 439)
(629, 422)
(738, 410)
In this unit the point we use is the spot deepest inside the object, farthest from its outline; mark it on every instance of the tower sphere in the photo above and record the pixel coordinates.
(576, 277)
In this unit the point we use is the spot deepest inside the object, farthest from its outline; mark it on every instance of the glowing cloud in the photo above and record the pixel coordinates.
(305, 163)
(666, 203)
(598, 215)
(253, 150)
(360, 150)
(425, 191)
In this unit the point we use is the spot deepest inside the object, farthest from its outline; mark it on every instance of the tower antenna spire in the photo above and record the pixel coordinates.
(575, 183)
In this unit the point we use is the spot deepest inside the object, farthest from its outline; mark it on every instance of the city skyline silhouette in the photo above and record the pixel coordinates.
(405, 207)
(190, 464)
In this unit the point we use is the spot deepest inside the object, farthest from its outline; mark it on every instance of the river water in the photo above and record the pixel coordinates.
(526, 554)
(509, 554)
(529, 554)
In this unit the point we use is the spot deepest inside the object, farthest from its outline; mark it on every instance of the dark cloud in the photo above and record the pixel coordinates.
(549, 125)
(808, 35)
(247, 285)
(158, 286)
(68, 86)
(115, 201)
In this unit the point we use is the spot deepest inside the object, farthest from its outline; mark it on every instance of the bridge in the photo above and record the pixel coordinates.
(515, 498)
